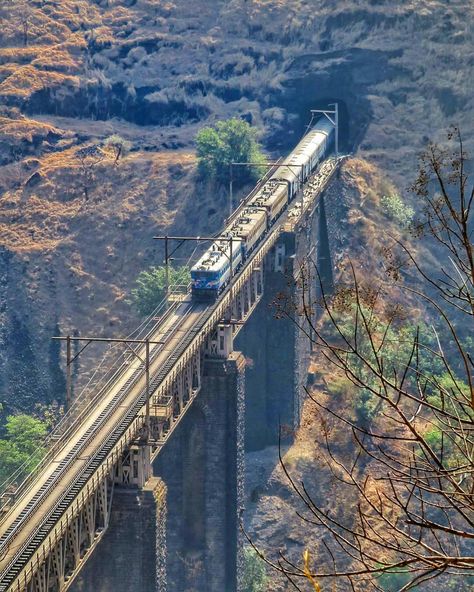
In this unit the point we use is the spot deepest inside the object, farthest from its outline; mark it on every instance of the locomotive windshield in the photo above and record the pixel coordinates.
(202, 274)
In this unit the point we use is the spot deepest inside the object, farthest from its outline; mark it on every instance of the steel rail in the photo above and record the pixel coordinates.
(69, 428)
(16, 565)
(199, 332)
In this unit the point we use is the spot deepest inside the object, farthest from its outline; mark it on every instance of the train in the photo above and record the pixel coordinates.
(255, 217)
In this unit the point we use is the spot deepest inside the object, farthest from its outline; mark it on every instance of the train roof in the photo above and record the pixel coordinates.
(268, 193)
(247, 219)
(304, 150)
(219, 252)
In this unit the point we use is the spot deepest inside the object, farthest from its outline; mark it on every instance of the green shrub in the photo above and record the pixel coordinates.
(340, 385)
(24, 436)
(397, 210)
(444, 392)
(254, 573)
(151, 286)
(434, 438)
(118, 145)
(233, 140)
(392, 581)
(365, 404)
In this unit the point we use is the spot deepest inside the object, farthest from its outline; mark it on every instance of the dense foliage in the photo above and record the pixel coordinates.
(151, 287)
(24, 435)
(397, 210)
(229, 141)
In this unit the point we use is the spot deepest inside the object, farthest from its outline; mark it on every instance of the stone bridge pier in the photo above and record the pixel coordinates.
(277, 352)
(203, 469)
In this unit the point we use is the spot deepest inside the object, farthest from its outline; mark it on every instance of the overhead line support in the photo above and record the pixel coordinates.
(335, 122)
(146, 362)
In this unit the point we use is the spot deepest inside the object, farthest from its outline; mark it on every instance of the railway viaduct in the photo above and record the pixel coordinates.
(110, 510)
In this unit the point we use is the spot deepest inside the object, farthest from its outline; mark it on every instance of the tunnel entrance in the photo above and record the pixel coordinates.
(307, 93)
(313, 81)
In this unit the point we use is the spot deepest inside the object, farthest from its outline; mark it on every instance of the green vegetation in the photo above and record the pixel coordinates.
(233, 140)
(365, 405)
(254, 574)
(404, 342)
(24, 436)
(395, 344)
(151, 286)
(118, 145)
(434, 438)
(397, 210)
(393, 580)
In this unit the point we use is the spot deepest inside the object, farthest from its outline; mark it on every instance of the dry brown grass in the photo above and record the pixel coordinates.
(23, 129)
(27, 80)
(137, 189)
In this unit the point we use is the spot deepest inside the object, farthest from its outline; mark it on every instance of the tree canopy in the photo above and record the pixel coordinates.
(233, 140)
(151, 286)
(118, 145)
(24, 435)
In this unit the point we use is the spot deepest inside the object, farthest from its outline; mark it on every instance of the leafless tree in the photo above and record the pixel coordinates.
(409, 404)
(23, 11)
(88, 158)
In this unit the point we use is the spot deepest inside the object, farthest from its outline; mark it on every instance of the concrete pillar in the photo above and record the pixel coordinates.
(270, 344)
(132, 553)
(278, 351)
(224, 384)
(202, 466)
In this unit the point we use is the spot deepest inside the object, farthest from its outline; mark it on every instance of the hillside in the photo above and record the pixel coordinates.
(395, 68)
(76, 226)
(271, 506)
(325, 475)
(73, 72)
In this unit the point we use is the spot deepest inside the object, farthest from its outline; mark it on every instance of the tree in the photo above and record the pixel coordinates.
(24, 439)
(407, 471)
(151, 287)
(88, 158)
(23, 12)
(118, 145)
(397, 210)
(229, 141)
